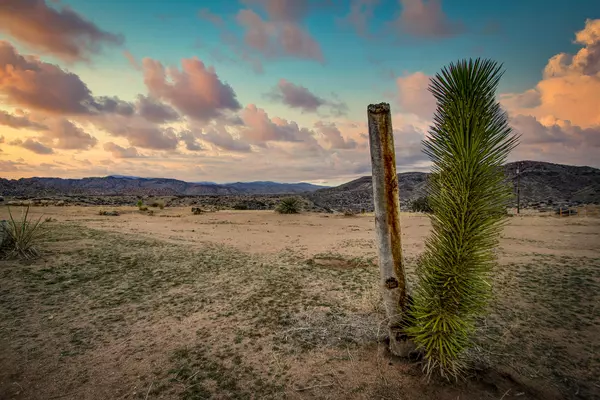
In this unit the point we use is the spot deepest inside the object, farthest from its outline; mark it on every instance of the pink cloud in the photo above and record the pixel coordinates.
(132, 60)
(278, 38)
(361, 12)
(195, 91)
(297, 96)
(414, 97)
(138, 131)
(261, 129)
(282, 10)
(425, 18)
(334, 137)
(155, 111)
(64, 134)
(207, 15)
(61, 32)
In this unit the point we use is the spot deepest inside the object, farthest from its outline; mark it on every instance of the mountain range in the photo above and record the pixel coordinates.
(131, 185)
(541, 183)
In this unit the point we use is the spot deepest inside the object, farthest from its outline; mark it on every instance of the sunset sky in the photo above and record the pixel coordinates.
(243, 90)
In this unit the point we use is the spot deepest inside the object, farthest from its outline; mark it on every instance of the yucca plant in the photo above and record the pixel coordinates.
(289, 205)
(468, 143)
(18, 237)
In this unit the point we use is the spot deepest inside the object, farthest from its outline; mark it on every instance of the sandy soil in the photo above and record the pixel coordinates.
(247, 304)
(313, 233)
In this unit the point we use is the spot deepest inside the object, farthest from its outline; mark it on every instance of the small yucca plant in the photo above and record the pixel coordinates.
(469, 142)
(289, 205)
(18, 237)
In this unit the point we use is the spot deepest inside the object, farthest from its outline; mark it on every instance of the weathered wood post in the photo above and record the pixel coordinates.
(387, 224)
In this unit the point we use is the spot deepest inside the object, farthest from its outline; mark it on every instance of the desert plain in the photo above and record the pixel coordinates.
(258, 305)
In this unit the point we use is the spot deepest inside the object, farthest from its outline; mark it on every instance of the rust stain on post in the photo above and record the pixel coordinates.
(386, 200)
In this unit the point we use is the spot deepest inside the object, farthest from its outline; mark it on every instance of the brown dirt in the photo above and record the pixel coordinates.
(247, 304)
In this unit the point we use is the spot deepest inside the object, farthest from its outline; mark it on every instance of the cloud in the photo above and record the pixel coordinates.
(191, 141)
(297, 96)
(195, 91)
(425, 18)
(155, 111)
(414, 97)
(19, 122)
(61, 32)
(121, 152)
(281, 34)
(570, 85)
(556, 141)
(139, 132)
(205, 14)
(219, 136)
(32, 145)
(333, 136)
(132, 61)
(361, 12)
(260, 129)
(29, 82)
(282, 10)
(63, 134)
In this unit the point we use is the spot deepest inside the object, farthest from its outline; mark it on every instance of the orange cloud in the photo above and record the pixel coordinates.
(570, 88)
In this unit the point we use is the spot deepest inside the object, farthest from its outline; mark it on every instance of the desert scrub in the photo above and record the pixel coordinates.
(289, 205)
(141, 206)
(421, 204)
(468, 144)
(158, 204)
(18, 236)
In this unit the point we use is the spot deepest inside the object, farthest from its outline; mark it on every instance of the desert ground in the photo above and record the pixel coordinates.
(257, 305)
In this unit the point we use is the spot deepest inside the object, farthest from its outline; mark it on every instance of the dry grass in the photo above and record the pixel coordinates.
(125, 316)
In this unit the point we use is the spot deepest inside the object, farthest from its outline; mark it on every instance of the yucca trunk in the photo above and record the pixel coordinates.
(468, 144)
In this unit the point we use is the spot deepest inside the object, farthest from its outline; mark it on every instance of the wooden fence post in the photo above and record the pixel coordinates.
(387, 225)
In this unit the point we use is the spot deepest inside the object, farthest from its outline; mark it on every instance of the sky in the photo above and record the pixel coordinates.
(245, 90)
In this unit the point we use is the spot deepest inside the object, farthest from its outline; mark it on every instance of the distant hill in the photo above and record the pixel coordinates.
(130, 185)
(541, 182)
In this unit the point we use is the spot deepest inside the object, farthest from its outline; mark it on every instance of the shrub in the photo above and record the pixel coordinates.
(421, 204)
(158, 204)
(18, 237)
(240, 206)
(289, 205)
(196, 210)
(113, 213)
(140, 204)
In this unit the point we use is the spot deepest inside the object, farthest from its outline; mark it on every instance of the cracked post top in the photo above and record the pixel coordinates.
(378, 108)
